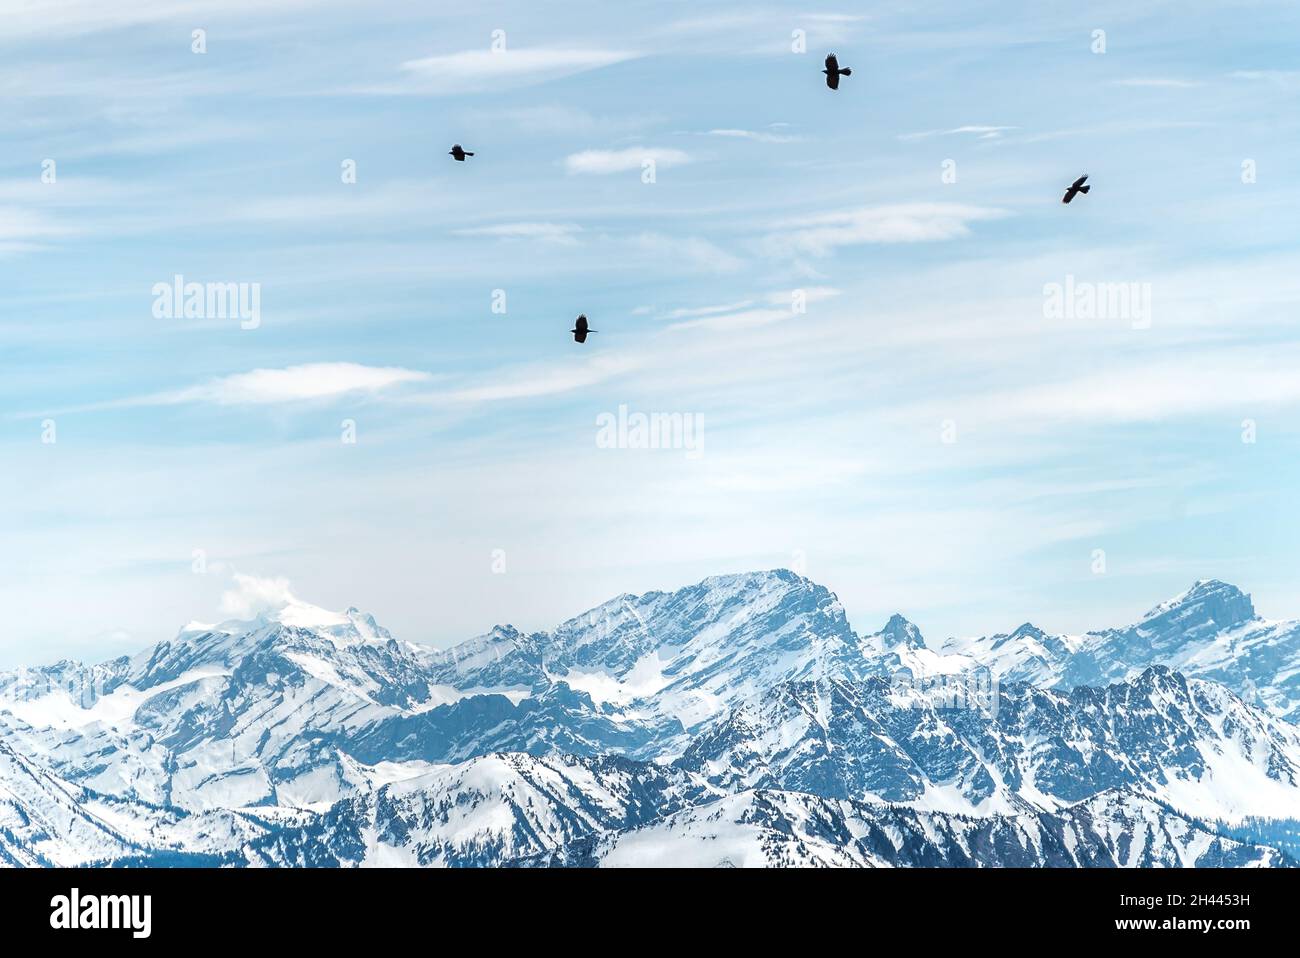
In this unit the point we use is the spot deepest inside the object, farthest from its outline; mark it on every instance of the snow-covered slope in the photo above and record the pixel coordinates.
(1191, 743)
(492, 810)
(46, 821)
(518, 810)
(43, 821)
(767, 828)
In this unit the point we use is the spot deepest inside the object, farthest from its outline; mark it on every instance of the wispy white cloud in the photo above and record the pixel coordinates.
(563, 120)
(983, 132)
(900, 223)
(621, 161)
(257, 595)
(1172, 83)
(552, 118)
(1287, 78)
(471, 70)
(34, 212)
(758, 136)
(394, 198)
(25, 225)
(1241, 380)
(743, 319)
(564, 233)
(258, 387)
(692, 252)
(533, 382)
(781, 306)
(694, 311)
(1125, 128)
(295, 383)
(751, 31)
(809, 294)
(89, 16)
(252, 595)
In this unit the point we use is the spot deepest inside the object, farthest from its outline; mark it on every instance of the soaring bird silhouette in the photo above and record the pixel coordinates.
(459, 154)
(580, 329)
(834, 71)
(1075, 188)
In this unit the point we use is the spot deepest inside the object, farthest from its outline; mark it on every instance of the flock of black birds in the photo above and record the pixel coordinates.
(833, 73)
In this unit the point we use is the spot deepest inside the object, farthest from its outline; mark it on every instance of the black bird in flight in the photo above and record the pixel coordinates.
(1075, 188)
(580, 329)
(459, 154)
(834, 71)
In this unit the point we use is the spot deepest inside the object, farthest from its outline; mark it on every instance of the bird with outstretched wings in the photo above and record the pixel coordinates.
(834, 71)
(1075, 189)
(580, 329)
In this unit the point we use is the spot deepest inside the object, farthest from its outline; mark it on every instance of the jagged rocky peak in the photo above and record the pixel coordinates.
(671, 616)
(1160, 678)
(769, 587)
(778, 584)
(897, 633)
(1027, 630)
(499, 633)
(1208, 603)
(725, 632)
(501, 650)
(760, 578)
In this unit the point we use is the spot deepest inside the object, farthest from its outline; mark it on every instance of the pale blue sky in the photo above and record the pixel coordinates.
(822, 431)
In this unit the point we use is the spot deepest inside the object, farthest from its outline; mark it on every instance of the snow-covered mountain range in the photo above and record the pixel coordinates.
(737, 721)
(1210, 631)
